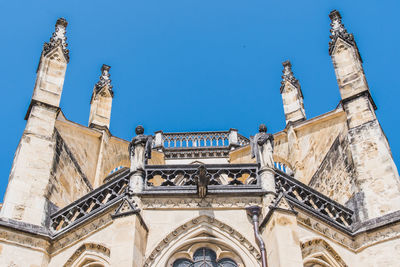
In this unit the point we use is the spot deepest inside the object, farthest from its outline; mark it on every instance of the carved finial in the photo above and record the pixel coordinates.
(338, 30)
(58, 38)
(104, 80)
(288, 75)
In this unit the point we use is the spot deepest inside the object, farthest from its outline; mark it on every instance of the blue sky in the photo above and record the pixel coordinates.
(183, 65)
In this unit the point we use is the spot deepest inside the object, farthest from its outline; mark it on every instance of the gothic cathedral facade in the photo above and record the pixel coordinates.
(323, 191)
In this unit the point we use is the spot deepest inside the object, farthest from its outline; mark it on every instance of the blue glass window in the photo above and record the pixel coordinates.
(204, 257)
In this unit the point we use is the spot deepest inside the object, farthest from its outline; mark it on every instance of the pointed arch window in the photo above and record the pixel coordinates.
(205, 257)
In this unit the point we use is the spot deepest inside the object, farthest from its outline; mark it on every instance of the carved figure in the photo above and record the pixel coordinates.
(262, 148)
(140, 149)
(202, 179)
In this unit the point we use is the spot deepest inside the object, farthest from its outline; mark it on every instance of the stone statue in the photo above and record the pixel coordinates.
(262, 147)
(140, 149)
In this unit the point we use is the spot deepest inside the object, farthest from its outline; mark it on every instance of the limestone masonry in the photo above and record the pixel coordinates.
(323, 191)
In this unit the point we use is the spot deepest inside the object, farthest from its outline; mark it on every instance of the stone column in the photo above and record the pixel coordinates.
(136, 182)
(233, 138)
(158, 141)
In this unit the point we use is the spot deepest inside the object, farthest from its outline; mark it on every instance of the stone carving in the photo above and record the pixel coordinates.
(338, 30)
(96, 248)
(140, 149)
(221, 174)
(81, 232)
(25, 240)
(288, 76)
(262, 148)
(202, 179)
(127, 206)
(328, 232)
(168, 203)
(316, 248)
(104, 80)
(58, 38)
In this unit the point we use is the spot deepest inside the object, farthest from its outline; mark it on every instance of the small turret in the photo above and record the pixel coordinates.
(101, 101)
(292, 95)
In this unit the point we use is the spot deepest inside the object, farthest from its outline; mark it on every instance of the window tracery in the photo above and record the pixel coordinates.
(204, 257)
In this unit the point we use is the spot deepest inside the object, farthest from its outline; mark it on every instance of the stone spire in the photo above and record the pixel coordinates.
(101, 101)
(58, 38)
(104, 80)
(338, 30)
(292, 95)
(288, 76)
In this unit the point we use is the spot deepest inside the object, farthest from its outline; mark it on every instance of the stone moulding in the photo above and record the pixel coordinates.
(319, 246)
(168, 239)
(195, 153)
(92, 247)
(198, 203)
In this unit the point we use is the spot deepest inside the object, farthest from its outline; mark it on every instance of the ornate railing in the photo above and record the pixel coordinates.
(190, 140)
(79, 210)
(184, 175)
(181, 179)
(313, 201)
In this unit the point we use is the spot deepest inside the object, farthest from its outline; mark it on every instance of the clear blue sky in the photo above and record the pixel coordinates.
(183, 65)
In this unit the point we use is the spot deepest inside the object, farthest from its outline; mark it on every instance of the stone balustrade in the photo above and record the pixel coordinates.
(181, 179)
(190, 140)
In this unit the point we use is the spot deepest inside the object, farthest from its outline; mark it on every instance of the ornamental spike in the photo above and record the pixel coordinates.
(338, 30)
(58, 37)
(104, 79)
(288, 75)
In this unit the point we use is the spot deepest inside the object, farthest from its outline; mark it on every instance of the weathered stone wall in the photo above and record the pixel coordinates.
(25, 198)
(333, 177)
(241, 155)
(100, 109)
(115, 154)
(84, 144)
(303, 147)
(67, 182)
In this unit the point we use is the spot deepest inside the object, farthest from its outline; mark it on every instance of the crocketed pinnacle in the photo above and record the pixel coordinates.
(104, 80)
(288, 76)
(338, 30)
(58, 38)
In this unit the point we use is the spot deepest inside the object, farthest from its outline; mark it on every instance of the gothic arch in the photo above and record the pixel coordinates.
(318, 253)
(203, 231)
(89, 255)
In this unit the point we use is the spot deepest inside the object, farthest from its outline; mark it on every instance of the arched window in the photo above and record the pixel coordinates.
(205, 257)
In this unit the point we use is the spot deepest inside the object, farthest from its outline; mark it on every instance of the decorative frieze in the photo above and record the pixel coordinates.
(200, 203)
